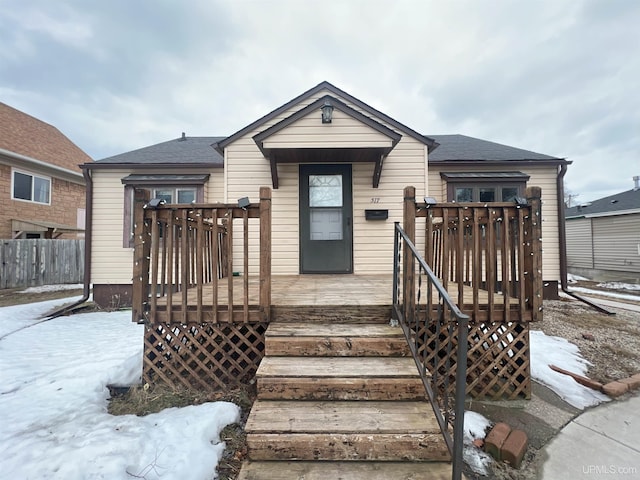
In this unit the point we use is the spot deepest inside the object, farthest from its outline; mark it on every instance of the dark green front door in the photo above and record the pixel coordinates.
(326, 235)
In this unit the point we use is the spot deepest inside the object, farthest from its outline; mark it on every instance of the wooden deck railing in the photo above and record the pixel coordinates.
(183, 260)
(490, 254)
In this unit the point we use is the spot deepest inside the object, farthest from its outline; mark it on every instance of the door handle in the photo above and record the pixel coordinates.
(348, 221)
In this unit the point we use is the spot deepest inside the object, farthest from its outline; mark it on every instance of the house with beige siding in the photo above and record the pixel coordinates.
(42, 186)
(603, 237)
(337, 168)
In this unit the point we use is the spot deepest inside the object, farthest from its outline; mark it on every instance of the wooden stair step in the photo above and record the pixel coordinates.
(339, 430)
(255, 470)
(303, 339)
(339, 378)
(351, 367)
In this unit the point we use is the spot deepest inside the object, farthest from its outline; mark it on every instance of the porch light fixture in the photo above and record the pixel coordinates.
(430, 200)
(243, 203)
(155, 203)
(520, 201)
(327, 112)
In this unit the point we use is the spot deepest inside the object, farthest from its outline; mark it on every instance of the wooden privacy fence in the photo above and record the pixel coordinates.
(205, 316)
(33, 262)
(488, 256)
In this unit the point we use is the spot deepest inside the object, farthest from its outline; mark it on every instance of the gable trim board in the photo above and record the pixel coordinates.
(315, 149)
(337, 92)
(270, 151)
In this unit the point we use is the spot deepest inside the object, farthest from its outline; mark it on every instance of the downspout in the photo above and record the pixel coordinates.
(562, 236)
(88, 224)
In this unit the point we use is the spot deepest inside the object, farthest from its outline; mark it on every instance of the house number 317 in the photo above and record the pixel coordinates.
(375, 199)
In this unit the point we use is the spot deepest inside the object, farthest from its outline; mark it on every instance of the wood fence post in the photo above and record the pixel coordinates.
(265, 251)
(408, 266)
(534, 255)
(141, 253)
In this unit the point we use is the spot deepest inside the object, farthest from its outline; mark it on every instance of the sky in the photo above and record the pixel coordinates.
(558, 77)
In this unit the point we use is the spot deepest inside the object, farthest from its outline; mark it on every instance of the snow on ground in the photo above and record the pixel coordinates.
(620, 286)
(548, 350)
(604, 293)
(610, 285)
(571, 278)
(475, 426)
(17, 317)
(53, 404)
(53, 288)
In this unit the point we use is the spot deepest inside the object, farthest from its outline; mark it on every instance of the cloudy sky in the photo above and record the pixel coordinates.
(559, 77)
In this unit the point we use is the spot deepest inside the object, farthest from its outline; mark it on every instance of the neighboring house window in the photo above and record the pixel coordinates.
(31, 188)
(484, 186)
(170, 188)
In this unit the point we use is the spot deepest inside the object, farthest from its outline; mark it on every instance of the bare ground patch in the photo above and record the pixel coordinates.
(12, 296)
(140, 400)
(615, 351)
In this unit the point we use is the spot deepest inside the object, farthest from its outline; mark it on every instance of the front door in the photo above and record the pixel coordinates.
(326, 236)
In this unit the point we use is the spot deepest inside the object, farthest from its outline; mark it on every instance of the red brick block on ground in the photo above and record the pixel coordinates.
(633, 382)
(496, 438)
(514, 448)
(615, 389)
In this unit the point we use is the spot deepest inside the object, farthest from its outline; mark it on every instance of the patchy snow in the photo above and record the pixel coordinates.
(604, 293)
(476, 426)
(571, 278)
(17, 317)
(53, 288)
(548, 350)
(53, 404)
(620, 286)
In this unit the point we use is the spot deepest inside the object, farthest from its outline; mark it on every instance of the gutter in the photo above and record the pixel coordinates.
(562, 236)
(41, 164)
(88, 228)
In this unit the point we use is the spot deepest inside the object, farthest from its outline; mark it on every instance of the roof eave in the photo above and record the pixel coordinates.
(529, 161)
(106, 166)
(65, 172)
(431, 143)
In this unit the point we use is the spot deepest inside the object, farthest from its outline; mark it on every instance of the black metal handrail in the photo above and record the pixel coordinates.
(429, 321)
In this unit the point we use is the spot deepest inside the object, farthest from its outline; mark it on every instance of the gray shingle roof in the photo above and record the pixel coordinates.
(629, 200)
(200, 150)
(190, 150)
(462, 147)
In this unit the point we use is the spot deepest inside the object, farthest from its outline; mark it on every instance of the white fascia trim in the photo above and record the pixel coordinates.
(612, 214)
(42, 164)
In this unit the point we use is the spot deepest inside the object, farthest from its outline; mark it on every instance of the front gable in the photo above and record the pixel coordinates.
(347, 136)
(314, 93)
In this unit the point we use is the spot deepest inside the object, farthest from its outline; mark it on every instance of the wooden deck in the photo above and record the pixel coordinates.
(364, 296)
(308, 290)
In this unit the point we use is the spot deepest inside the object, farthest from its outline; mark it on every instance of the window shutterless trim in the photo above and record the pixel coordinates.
(33, 177)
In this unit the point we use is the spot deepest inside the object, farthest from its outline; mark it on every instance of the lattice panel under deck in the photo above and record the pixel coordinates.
(202, 355)
(498, 364)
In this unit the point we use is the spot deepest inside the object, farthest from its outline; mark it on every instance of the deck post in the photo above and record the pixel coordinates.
(534, 255)
(408, 268)
(265, 252)
(141, 253)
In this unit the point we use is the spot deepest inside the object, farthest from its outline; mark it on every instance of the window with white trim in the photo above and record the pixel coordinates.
(30, 187)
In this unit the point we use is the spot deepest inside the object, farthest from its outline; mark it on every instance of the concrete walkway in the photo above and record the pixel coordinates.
(601, 443)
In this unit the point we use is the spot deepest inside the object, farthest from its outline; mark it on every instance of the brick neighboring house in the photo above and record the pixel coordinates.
(41, 186)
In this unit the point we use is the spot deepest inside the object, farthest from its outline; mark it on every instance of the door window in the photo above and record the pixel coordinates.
(325, 190)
